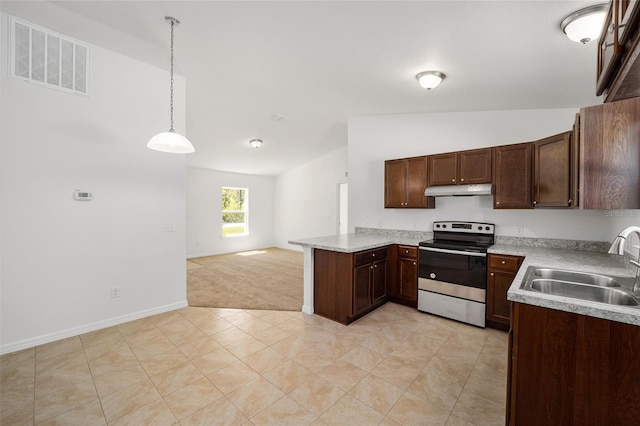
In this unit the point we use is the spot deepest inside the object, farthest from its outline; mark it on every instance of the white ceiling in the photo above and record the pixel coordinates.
(319, 62)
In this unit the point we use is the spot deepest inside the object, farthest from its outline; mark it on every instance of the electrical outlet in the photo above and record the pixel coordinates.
(520, 230)
(115, 292)
(170, 227)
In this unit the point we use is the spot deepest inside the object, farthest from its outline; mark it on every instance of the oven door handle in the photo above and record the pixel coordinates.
(463, 253)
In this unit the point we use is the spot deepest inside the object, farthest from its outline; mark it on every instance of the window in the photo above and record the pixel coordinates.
(235, 212)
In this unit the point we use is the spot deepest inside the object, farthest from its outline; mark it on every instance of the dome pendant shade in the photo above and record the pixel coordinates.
(171, 142)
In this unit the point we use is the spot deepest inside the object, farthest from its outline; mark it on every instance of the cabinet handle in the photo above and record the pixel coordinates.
(461, 180)
(491, 274)
(406, 251)
(611, 28)
(453, 180)
(374, 255)
(414, 263)
(569, 201)
(535, 202)
(497, 203)
(375, 266)
(503, 262)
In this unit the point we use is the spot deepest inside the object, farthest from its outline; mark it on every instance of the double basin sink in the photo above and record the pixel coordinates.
(580, 285)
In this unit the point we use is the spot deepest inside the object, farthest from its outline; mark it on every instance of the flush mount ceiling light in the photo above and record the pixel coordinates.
(171, 141)
(256, 143)
(584, 25)
(430, 79)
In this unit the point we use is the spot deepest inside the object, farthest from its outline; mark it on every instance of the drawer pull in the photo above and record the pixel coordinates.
(492, 274)
(374, 255)
(503, 262)
(414, 263)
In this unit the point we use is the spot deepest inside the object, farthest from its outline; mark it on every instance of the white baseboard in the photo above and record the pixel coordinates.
(307, 309)
(87, 328)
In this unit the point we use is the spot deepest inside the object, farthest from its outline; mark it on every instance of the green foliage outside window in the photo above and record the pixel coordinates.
(234, 211)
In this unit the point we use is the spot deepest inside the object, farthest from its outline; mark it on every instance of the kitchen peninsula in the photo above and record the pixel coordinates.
(564, 254)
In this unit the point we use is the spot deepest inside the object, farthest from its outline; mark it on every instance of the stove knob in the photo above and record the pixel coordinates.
(438, 225)
(479, 228)
(487, 228)
(432, 275)
(444, 226)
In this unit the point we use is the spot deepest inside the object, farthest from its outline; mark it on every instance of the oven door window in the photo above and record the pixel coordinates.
(454, 268)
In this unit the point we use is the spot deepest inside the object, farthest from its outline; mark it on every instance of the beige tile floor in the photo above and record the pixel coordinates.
(201, 366)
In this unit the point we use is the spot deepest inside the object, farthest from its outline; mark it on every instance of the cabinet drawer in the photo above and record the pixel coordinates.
(509, 263)
(408, 251)
(369, 256)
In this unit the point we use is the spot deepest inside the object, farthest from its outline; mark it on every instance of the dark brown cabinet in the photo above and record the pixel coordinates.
(571, 369)
(618, 66)
(460, 168)
(553, 171)
(512, 176)
(501, 270)
(610, 156)
(404, 183)
(349, 285)
(404, 286)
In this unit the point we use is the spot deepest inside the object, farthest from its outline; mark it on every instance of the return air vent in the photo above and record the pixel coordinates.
(44, 57)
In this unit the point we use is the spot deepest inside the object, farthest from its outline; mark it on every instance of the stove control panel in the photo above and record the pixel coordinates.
(464, 227)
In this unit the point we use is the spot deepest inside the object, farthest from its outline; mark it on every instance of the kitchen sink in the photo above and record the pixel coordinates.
(576, 277)
(593, 293)
(579, 285)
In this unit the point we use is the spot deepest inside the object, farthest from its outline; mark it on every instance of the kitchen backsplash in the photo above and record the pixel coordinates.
(601, 246)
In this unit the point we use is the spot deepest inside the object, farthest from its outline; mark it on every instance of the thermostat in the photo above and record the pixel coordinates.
(82, 196)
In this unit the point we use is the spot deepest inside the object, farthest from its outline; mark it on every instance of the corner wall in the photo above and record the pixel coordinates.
(307, 199)
(59, 257)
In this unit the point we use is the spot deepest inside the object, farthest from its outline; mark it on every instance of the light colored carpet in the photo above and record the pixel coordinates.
(260, 279)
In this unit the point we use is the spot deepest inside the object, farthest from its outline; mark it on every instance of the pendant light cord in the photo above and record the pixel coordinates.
(171, 84)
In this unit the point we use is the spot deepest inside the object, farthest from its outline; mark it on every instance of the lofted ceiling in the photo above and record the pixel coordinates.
(318, 62)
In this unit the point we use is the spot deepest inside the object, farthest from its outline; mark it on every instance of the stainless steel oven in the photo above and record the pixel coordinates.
(452, 279)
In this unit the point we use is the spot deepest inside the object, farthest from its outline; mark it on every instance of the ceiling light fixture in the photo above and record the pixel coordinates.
(585, 25)
(430, 79)
(256, 143)
(171, 141)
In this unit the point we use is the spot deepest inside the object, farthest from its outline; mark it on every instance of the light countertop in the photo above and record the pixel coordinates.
(577, 260)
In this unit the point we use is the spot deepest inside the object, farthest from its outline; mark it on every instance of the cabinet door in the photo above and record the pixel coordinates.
(498, 307)
(443, 169)
(552, 171)
(408, 278)
(628, 11)
(610, 156)
(361, 288)
(512, 177)
(416, 182)
(379, 281)
(395, 183)
(474, 166)
(609, 51)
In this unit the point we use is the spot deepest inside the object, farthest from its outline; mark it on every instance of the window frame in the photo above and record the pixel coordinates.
(245, 212)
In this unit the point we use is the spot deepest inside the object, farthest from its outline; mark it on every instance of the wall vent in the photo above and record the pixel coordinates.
(41, 56)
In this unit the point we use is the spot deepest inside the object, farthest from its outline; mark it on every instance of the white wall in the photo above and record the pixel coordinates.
(204, 209)
(374, 139)
(61, 257)
(307, 199)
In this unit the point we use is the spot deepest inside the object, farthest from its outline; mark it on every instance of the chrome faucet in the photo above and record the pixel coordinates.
(618, 248)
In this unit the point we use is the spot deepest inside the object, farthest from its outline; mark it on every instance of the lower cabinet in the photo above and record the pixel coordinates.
(570, 369)
(349, 285)
(404, 288)
(501, 270)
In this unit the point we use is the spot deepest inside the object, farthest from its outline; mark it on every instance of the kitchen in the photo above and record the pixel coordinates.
(371, 141)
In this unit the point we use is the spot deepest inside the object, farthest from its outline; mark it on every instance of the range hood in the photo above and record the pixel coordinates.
(458, 190)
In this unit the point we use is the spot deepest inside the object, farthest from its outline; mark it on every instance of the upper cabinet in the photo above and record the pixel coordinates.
(512, 176)
(460, 168)
(610, 156)
(554, 171)
(618, 68)
(404, 183)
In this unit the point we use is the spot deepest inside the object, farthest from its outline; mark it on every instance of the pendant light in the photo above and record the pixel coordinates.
(171, 141)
